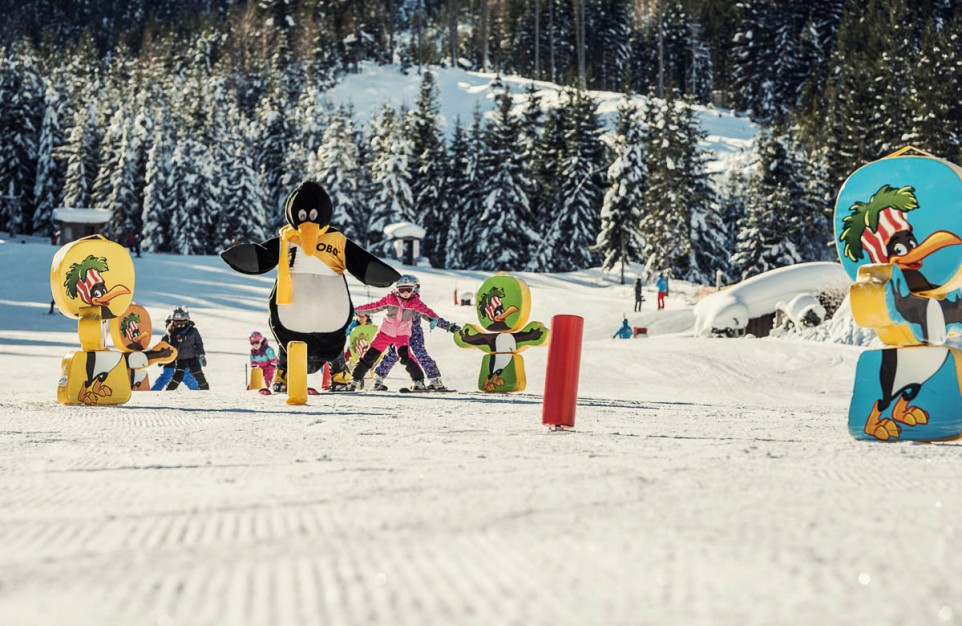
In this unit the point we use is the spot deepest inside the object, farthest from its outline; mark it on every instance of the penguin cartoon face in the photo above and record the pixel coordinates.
(308, 209)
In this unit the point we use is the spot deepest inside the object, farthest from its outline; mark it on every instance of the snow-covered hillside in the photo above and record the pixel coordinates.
(707, 481)
(460, 91)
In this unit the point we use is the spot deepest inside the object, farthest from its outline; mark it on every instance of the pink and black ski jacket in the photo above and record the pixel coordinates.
(400, 313)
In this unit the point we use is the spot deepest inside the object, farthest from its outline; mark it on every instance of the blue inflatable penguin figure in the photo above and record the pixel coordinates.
(310, 301)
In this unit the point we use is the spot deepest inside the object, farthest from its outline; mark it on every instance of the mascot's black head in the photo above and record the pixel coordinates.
(308, 203)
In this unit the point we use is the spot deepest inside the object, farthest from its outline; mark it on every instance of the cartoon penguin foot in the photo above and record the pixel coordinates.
(881, 429)
(909, 415)
(101, 389)
(497, 381)
(489, 385)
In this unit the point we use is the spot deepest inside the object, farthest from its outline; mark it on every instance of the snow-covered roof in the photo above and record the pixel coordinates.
(404, 230)
(82, 216)
(733, 306)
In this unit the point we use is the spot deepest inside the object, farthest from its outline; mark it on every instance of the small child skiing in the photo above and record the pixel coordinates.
(625, 332)
(401, 305)
(167, 372)
(183, 335)
(420, 354)
(263, 356)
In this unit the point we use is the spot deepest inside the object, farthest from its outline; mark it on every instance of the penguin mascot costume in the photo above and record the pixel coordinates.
(310, 301)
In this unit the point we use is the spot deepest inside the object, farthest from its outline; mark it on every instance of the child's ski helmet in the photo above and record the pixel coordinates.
(180, 314)
(256, 338)
(407, 284)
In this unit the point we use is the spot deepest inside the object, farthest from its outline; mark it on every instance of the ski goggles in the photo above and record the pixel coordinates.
(405, 290)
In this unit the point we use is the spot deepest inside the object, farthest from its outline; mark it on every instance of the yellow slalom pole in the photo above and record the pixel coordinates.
(297, 372)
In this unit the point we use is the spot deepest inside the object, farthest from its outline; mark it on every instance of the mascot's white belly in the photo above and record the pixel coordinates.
(320, 301)
(504, 342)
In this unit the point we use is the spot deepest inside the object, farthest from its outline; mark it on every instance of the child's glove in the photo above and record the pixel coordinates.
(454, 328)
(433, 323)
(203, 360)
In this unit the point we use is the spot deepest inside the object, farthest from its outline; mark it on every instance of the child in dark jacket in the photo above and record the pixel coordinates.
(183, 335)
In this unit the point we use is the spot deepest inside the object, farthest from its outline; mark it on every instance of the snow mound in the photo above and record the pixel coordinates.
(731, 308)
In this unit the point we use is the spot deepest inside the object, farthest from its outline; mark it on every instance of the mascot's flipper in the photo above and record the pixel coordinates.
(366, 267)
(253, 258)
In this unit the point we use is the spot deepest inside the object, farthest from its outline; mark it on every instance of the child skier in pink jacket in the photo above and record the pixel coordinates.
(402, 304)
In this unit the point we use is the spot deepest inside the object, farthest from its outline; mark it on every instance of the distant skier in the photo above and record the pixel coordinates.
(263, 356)
(638, 297)
(662, 285)
(183, 335)
(625, 332)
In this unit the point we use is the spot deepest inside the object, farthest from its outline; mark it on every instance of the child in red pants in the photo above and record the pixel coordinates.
(402, 304)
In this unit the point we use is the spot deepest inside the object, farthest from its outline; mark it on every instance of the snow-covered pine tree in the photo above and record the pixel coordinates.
(567, 241)
(677, 193)
(938, 119)
(110, 152)
(244, 202)
(390, 174)
(777, 228)
(608, 42)
(467, 172)
(193, 186)
(159, 184)
(687, 57)
(457, 188)
(50, 170)
(21, 107)
(619, 239)
(423, 127)
(80, 152)
(709, 233)
(336, 165)
(753, 56)
(504, 229)
(530, 144)
(271, 147)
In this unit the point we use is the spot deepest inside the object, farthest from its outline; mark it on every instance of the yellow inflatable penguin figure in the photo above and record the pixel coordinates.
(310, 302)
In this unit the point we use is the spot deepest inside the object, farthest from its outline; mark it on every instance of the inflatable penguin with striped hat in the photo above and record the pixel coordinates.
(310, 301)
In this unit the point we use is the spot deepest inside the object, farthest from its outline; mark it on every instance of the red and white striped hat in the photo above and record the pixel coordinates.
(492, 307)
(890, 221)
(84, 286)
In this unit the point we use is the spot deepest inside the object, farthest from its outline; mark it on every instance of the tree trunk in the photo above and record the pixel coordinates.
(484, 35)
(537, 39)
(453, 30)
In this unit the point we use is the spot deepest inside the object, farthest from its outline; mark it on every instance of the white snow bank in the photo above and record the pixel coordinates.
(732, 307)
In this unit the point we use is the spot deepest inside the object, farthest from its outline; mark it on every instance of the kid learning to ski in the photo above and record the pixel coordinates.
(263, 356)
(183, 335)
(420, 353)
(167, 372)
(401, 306)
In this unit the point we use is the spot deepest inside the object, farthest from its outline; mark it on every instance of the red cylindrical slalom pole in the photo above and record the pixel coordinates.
(561, 378)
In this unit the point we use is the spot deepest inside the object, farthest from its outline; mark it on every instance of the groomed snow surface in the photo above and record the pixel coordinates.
(708, 481)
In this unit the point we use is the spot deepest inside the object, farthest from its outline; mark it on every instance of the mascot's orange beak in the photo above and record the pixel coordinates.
(936, 241)
(118, 290)
(308, 234)
(504, 314)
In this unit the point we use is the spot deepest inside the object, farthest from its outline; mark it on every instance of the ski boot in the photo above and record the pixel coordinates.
(280, 382)
(341, 381)
(379, 384)
(418, 385)
(358, 384)
(435, 384)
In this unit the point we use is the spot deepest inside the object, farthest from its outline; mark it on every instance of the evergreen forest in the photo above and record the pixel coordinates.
(191, 120)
